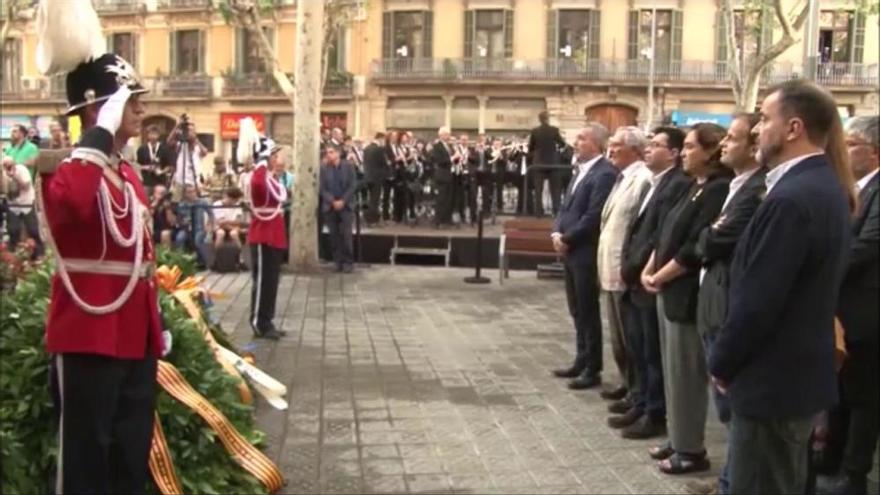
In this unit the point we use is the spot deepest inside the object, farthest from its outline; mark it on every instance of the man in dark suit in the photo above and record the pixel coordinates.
(716, 244)
(858, 311)
(774, 355)
(153, 158)
(338, 185)
(441, 157)
(375, 171)
(642, 328)
(545, 142)
(576, 237)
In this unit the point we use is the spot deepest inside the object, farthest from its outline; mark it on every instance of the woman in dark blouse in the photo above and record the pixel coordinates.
(672, 272)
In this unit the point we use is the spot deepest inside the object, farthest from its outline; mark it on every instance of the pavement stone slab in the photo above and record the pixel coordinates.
(406, 380)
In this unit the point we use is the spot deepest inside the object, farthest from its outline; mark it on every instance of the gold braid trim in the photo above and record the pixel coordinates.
(248, 456)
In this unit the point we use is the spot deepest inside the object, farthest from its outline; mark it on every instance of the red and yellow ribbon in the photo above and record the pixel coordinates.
(161, 464)
(245, 454)
(185, 291)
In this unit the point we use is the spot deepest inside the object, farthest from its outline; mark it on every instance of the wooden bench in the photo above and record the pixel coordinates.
(526, 237)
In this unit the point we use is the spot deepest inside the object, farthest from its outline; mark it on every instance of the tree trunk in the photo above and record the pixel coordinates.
(307, 104)
(748, 98)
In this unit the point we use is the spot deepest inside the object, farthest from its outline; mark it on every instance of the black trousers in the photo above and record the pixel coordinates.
(768, 455)
(374, 195)
(339, 226)
(265, 273)
(582, 290)
(387, 187)
(555, 190)
(443, 210)
(400, 202)
(106, 422)
(861, 393)
(25, 221)
(459, 196)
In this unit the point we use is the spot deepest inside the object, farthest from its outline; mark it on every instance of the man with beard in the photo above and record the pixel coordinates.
(774, 355)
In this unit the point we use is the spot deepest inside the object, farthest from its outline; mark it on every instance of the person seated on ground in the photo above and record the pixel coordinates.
(164, 219)
(194, 220)
(221, 180)
(228, 219)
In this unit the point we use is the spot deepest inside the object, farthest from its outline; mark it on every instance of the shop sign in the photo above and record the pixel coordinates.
(686, 119)
(229, 123)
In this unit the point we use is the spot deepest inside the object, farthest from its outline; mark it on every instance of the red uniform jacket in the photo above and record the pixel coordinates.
(71, 207)
(271, 232)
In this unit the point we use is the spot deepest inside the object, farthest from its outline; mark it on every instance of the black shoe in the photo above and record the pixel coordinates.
(848, 485)
(585, 381)
(625, 419)
(270, 335)
(572, 372)
(645, 427)
(615, 393)
(621, 406)
(347, 269)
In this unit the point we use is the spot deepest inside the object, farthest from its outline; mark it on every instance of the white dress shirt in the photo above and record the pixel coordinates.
(655, 180)
(736, 184)
(780, 170)
(863, 182)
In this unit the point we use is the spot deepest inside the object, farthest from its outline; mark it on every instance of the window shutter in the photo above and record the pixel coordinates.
(676, 35)
(428, 34)
(632, 46)
(552, 34)
(201, 54)
(341, 50)
(595, 33)
(134, 51)
(240, 65)
(720, 39)
(172, 58)
(469, 34)
(508, 33)
(858, 38)
(387, 35)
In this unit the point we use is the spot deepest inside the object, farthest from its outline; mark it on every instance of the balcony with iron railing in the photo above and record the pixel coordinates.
(183, 4)
(261, 84)
(685, 72)
(184, 85)
(119, 6)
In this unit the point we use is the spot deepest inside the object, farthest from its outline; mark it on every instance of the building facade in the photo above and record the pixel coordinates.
(474, 65)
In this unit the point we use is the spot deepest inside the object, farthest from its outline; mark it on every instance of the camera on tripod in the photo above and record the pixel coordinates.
(183, 127)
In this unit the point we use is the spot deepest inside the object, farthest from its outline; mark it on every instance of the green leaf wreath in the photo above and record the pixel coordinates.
(28, 424)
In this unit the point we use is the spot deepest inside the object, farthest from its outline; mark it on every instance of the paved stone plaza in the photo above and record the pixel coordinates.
(405, 379)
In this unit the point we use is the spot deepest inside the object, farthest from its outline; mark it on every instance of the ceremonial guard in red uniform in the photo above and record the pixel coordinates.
(267, 234)
(103, 326)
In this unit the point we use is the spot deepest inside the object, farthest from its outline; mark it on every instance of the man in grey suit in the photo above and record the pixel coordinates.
(338, 184)
(627, 148)
(576, 236)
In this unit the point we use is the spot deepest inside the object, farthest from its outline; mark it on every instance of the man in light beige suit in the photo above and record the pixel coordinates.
(626, 151)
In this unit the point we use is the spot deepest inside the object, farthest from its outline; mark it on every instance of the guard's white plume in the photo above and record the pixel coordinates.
(248, 140)
(69, 34)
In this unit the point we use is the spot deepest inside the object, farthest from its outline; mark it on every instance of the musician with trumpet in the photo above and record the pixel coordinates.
(464, 162)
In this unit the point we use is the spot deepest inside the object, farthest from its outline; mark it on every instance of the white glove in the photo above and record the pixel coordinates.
(166, 342)
(110, 115)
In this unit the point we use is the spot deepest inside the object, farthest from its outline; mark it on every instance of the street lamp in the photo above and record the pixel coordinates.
(650, 55)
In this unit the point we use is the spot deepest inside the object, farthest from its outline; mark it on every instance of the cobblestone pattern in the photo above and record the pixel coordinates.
(405, 379)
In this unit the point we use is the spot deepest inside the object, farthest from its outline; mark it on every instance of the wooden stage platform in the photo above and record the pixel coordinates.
(424, 245)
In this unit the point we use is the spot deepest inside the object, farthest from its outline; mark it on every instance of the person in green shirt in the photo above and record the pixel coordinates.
(21, 150)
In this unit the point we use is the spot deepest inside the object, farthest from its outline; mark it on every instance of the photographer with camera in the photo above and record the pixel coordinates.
(20, 207)
(189, 151)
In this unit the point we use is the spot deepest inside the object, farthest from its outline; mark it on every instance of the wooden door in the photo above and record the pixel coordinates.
(612, 116)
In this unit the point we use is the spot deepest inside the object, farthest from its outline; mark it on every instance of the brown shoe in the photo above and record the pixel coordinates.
(620, 406)
(702, 487)
(626, 419)
(613, 393)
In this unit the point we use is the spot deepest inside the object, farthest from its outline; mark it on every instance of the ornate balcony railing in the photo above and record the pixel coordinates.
(624, 71)
(193, 86)
(252, 84)
(183, 4)
(119, 6)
